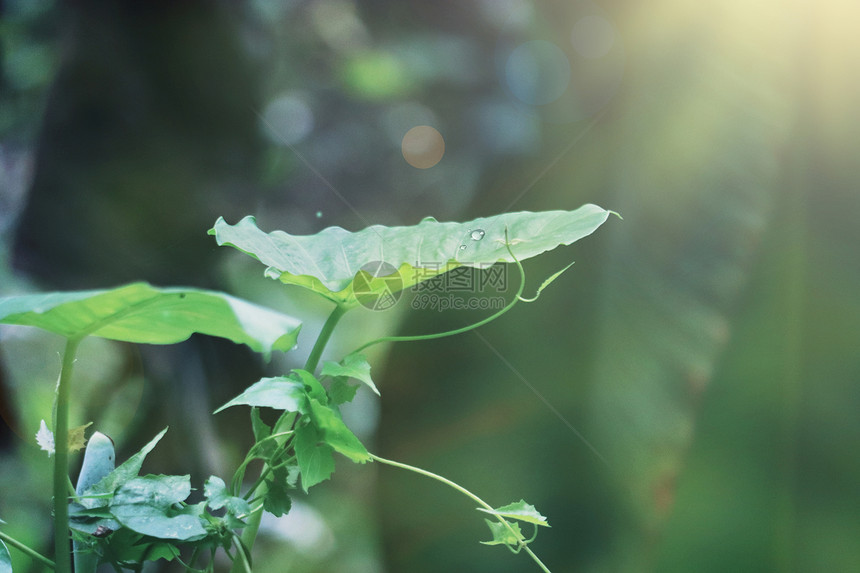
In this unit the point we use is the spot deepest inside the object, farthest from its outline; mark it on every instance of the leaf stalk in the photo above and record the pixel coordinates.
(27, 550)
(62, 554)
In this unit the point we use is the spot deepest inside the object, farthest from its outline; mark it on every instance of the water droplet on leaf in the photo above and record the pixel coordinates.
(477, 234)
(462, 247)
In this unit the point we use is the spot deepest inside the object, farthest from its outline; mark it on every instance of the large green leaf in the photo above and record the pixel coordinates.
(142, 313)
(329, 261)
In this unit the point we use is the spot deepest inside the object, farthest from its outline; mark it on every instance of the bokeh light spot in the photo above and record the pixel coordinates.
(538, 72)
(592, 37)
(422, 146)
(288, 119)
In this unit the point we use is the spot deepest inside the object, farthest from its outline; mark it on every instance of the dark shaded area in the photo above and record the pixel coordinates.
(145, 141)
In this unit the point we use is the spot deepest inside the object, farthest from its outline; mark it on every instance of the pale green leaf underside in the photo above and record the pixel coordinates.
(328, 261)
(5, 559)
(142, 313)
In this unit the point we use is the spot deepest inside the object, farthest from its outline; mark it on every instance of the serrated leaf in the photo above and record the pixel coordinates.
(142, 313)
(336, 434)
(352, 366)
(281, 393)
(519, 510)
(45, 438)
(77, 438)
(5, 559)
(313, 456)
(96, 495)
(277, 500)
(502, 535)
(328, 261)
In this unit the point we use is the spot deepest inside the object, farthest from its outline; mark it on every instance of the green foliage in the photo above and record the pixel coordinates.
(353, 366)
(120, 517)
(521, 511)
(146, 314)
(504, 533)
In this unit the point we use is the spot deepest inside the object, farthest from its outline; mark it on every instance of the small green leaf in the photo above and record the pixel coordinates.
(277, 500)
(281, 393)
(353, 366)
(216, 492)
(502, 535)
(5, 559)
(96, 496)
(142, 313)
(314, 457)
(336, 434)
(312, 385)
(519, 510)
(162, 550)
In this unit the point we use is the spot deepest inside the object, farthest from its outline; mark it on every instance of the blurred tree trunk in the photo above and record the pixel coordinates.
(149, 135)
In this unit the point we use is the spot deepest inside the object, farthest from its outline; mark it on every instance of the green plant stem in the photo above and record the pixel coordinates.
(323, 338)
(249, 533)
(62, 554)
(27, 550)
(468, 494)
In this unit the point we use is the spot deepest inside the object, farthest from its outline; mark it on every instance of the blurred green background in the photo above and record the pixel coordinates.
(685, 398)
